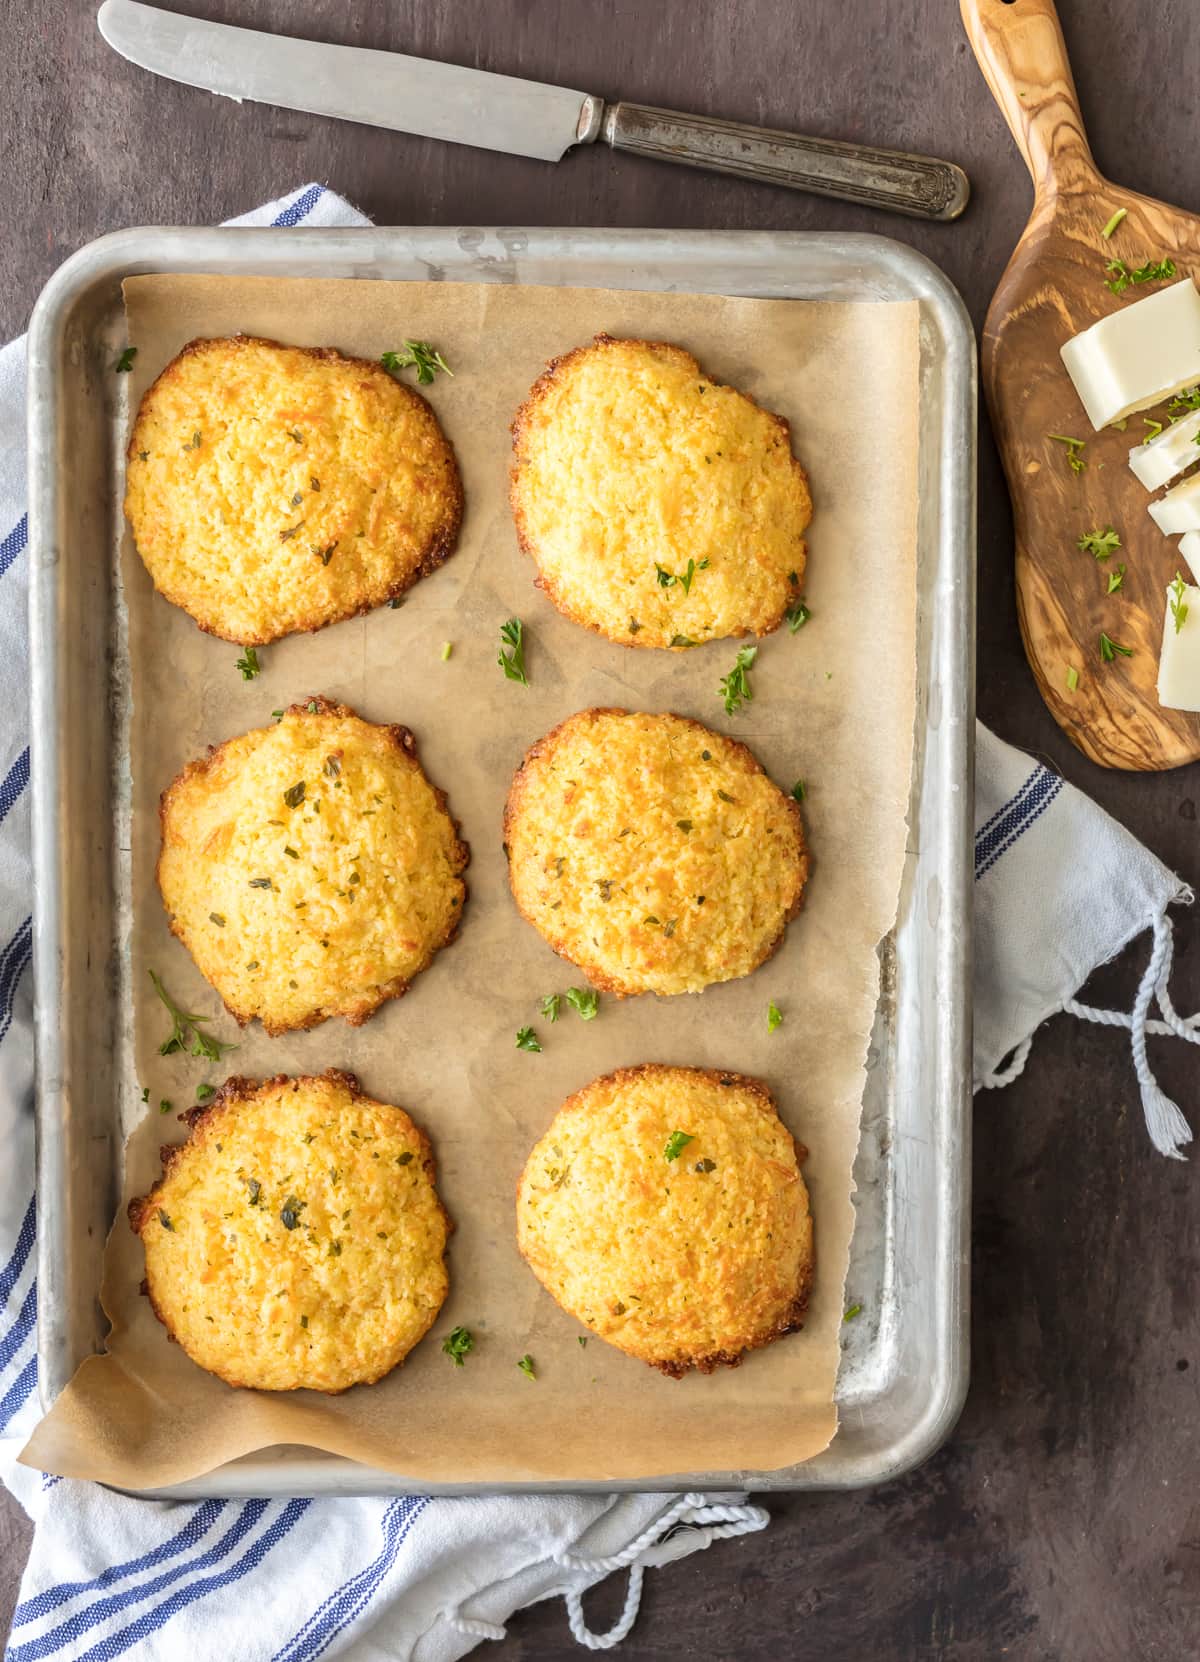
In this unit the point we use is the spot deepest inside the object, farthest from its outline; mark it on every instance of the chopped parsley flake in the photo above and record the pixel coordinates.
(447, 649)
(799, 790)
(1120, 276)
(585, 1002)
(125, 362)
(1115, 580)
(1072, 678)
(1179, 606)
(735, 687)
(797, 616)
(1109, 648)
(457, 1344)
(774, 1016)
(204, 1092)
(676, 1143)
(289, 1217)
(512, 634)
(249, 665)
(527, 1039)
(418, 355)
(1075, 449)
(669, 579)
(526, 1366)
(550, 1006)
(854, 1310)
(1100, 544)
(294, 795)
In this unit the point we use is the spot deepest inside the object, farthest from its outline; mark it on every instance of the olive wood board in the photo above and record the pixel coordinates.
(1054, 286)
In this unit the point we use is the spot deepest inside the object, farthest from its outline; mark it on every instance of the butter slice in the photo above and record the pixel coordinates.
(1137, 356)
(1168, 453)
(1179, 661)
(1179, 509)
(1189, 548)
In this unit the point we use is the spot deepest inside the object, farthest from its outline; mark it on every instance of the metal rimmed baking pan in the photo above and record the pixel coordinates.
(904, 1366)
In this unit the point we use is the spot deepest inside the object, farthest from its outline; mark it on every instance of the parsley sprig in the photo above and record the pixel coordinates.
(512, 662)
(584, 1002)
(1109, 649)
(735, 687)
(1179, 606)
(418, 355)
(187, 1034)
(676, 1143)
(1120, 276)
(1075, 448)
(669, 579)
(457, 1344)
(1100, 544)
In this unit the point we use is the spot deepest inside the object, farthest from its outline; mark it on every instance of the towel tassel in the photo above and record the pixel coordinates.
(686, 1526)
(1167, 1127)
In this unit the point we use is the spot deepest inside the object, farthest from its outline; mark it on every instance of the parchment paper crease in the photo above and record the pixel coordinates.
(832, 705)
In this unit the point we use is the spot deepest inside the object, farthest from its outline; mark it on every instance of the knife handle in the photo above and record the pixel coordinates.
(918, 185)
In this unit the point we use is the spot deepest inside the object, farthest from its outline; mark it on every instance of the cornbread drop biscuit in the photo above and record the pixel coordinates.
(275, 488)
(652, 852)
(661, 508)
(665, 1209)
(296, 1240)
(310, 867)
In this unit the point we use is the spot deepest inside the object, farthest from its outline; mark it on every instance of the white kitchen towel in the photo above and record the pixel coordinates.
(259, 1581)
(1060, 888)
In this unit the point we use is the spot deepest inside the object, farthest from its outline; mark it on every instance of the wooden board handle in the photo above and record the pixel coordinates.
(1021, 51)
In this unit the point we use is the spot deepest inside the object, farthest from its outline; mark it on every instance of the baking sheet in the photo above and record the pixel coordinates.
(833, 705)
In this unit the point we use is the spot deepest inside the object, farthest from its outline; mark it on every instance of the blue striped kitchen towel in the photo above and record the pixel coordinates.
(259, 1581)
(1060, 888)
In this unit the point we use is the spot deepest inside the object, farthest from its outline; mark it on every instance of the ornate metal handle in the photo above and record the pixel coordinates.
(918, 185)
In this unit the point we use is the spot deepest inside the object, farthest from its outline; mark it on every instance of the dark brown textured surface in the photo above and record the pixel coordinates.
(1061, 1523)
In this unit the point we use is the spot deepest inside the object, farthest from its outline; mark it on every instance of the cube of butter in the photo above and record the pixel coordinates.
(1179, 661)
(1168, 454)
(1179, 509)
(1137, 356)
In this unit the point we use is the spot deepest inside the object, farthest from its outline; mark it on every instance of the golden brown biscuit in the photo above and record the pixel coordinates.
(310, 867)
(661, 508)
(665, 1209)
(652, 852)
(276, 488)
(296, 1240)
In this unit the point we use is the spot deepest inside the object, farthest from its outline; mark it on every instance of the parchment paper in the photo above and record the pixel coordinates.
(832, 705)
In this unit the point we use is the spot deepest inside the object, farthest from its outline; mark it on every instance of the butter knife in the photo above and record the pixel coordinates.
(500, 112)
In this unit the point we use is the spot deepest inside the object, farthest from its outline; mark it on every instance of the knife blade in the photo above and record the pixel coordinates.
(501, 112)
